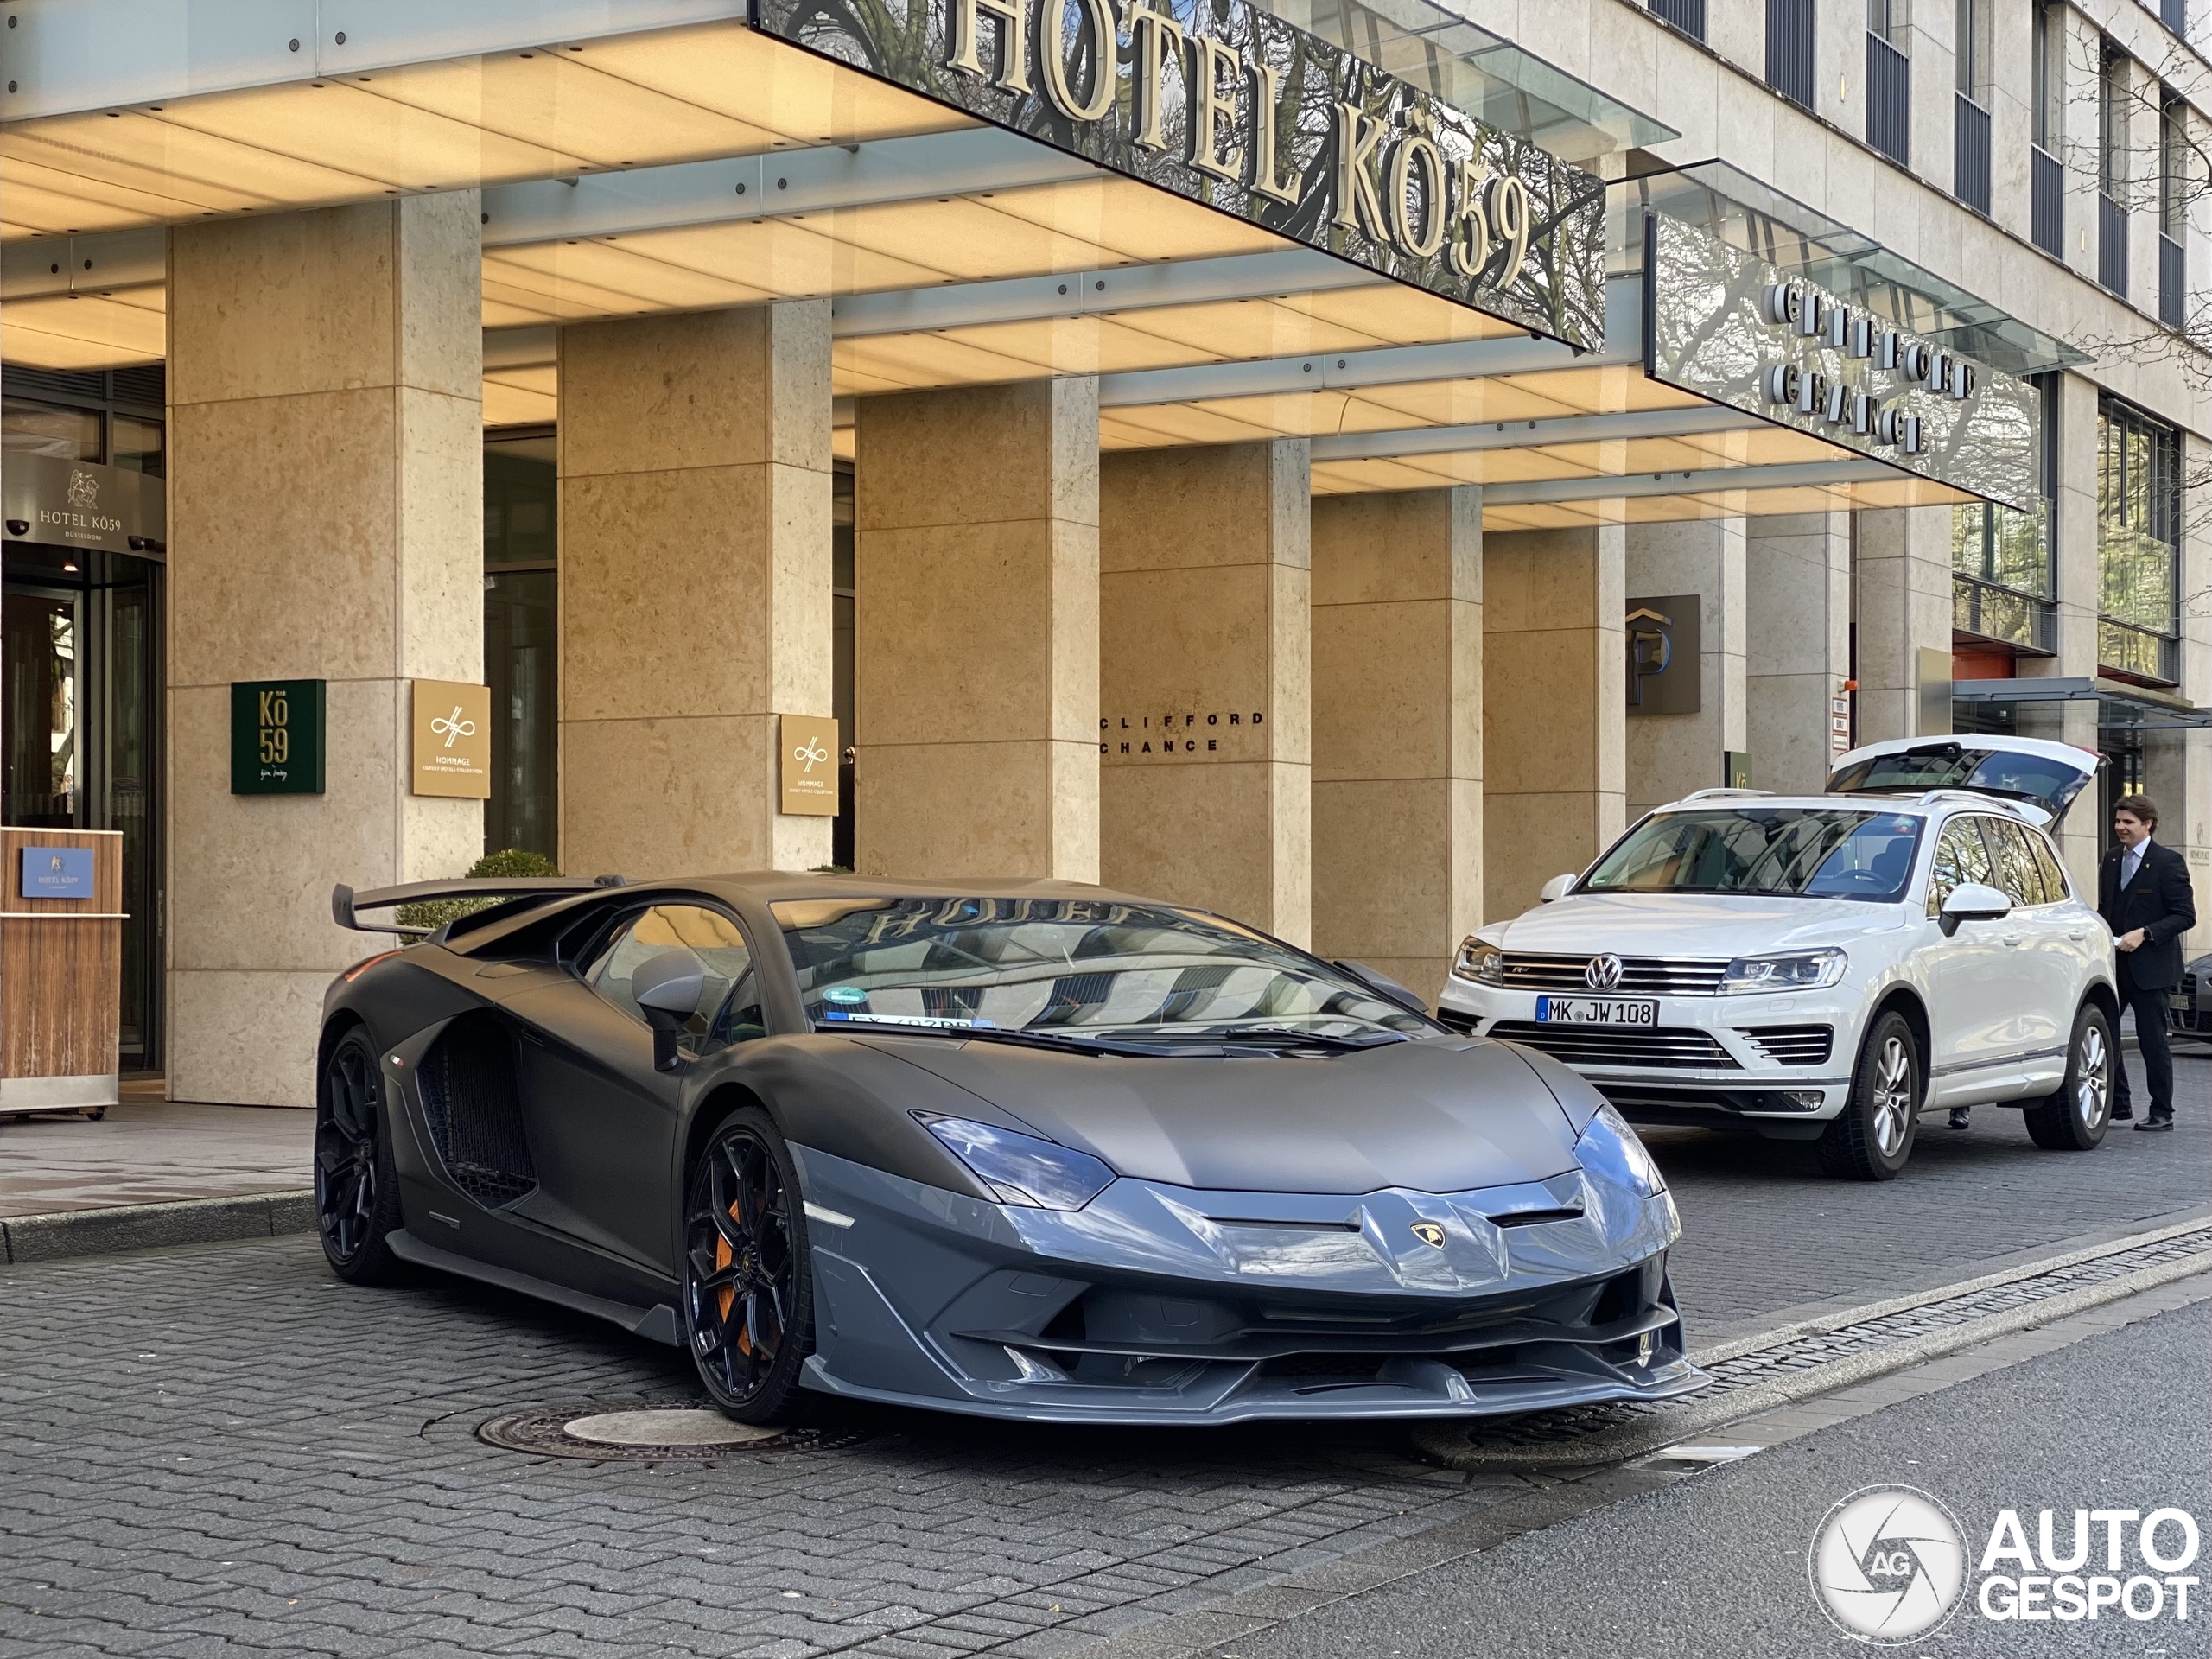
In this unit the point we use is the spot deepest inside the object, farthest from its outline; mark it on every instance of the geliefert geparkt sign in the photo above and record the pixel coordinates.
(1226, 104)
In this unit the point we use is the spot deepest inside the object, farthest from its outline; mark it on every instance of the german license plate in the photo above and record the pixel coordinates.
(1597, 1011)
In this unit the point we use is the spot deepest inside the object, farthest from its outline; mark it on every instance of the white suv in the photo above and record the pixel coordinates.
(1826, 967)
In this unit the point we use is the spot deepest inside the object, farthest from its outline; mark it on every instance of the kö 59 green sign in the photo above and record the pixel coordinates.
(277, 730)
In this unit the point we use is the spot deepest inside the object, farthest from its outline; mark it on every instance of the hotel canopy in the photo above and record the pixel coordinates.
(658, 156)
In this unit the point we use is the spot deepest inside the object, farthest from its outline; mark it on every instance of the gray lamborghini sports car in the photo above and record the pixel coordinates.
(1023, 1149)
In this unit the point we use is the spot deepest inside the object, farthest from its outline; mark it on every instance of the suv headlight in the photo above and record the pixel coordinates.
(1022, 1169)
(1610, 1149)
(1799, 970)
(1484, 963)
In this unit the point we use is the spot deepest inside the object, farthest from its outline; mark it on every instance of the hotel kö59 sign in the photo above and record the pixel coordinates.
(1225, 104)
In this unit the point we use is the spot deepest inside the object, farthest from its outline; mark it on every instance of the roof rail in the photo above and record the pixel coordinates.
(344, 901)
(1722, 795)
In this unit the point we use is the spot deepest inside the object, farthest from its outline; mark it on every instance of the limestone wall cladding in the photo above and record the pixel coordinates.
(326, 515)
(1204, 612)
(1668, 756)
(695, 580)
(1798, 644)
(1397, 729)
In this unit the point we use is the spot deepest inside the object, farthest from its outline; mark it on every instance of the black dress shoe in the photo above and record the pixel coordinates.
(2165, 1122)
(2122, 1112)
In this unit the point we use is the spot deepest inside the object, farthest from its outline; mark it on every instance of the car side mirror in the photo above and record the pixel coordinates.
(1971, 901)
(1555, 889)
(666, 988)
(1382, 985)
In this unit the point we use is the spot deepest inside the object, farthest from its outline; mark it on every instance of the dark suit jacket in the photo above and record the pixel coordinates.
(2160, 902)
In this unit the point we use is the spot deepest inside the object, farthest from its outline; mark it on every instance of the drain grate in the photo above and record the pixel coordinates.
(542, 1431)
(1808, 1350)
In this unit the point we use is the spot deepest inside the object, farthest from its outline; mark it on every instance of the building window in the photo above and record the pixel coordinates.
(2111, 170)
(522, 646)
(1789, 49)
(2138, 544)
(1969, 110)
(35, 429)
(2046, 178)
(2173, 209)
(2004, 580)
(1889, 81)
(1688, 16)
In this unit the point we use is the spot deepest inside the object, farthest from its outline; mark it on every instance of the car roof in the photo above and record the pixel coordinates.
(1927, 803)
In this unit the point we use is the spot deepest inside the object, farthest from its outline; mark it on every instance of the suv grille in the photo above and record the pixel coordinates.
(1640, 975)
(1618, 1044)
(1791, 1045)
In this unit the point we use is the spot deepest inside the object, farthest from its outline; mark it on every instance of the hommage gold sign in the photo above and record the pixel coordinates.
(453, 740)
(1227, 104)
(809, 770)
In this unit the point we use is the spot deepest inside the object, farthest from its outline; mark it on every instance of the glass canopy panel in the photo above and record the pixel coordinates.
(589, 278)
(1138, 222)
(187, 171)
(39, 200)
(1164, 425)
(1241, 329)
(968, 239)
(88, 332)
(802, 255)
(521, 396)
(1393, 312)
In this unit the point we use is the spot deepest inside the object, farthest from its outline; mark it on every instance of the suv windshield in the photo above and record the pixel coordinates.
(1071, 967)
(2047, 781)
(1793, 851)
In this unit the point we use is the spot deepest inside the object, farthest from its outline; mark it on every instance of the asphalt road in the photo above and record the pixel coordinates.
(1716, 1564)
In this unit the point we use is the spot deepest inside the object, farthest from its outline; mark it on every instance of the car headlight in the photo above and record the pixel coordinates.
(1610, 1149)
(1022, 1169)
(1484, 963)
(1799, 970)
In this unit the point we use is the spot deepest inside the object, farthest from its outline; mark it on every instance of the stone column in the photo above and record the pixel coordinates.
(1206, 636)
(694, 586)
(326, 521)
(976, 651)
(1398, 729)
(1555, 708)
(1904, 608)
(1798, 644)
(2178, 766)
(1669, 755)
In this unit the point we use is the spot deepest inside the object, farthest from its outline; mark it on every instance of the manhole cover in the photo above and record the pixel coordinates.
(666, 1428)
(648, 1431)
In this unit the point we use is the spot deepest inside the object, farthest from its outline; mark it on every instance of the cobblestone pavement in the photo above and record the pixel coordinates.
(223, 1451)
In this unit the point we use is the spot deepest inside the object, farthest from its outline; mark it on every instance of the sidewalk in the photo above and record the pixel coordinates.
(152, 1174)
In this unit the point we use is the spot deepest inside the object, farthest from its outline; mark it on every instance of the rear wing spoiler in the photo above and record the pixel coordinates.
(345, 902)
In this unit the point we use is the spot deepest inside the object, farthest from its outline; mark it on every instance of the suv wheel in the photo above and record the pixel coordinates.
(1872, 1138)
(2075, 1118)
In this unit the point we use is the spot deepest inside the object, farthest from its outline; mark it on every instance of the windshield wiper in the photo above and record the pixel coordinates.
(1019, 1035)
(1277, 1034)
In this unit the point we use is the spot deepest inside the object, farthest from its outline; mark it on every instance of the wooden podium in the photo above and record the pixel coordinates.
(60, 969)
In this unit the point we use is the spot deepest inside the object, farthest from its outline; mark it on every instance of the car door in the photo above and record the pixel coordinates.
(1969, 1012)
(602, 1121)
(2040, 959)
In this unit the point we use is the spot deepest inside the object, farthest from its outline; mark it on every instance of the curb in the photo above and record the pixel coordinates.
(1642, 1437)
(148, 1226)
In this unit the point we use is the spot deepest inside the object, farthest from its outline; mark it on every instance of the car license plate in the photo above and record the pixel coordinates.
(1597, 1011)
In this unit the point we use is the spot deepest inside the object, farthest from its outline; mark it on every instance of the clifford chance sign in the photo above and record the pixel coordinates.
(1226, 104)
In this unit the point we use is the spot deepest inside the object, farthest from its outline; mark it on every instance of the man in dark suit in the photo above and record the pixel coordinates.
(2143, 893)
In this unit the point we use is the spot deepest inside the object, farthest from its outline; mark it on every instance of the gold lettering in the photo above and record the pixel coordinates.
(1152, 34)
(1211, 100)
(1470, 238)
(1421, 239)
(1357, 134)
(1266, 94)
(1509, 217)
(1013, 41)
(1052, 50)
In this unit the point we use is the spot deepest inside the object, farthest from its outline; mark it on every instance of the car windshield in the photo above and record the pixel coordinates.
(1786, 851)
(1068, 967)
(2049, 782)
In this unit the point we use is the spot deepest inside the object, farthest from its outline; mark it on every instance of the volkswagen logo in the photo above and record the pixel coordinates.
(1604, 973)
(1429, 1233)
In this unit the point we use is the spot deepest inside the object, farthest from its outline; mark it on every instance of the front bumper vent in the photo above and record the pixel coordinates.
(1619, 1044)
(1791, 1045)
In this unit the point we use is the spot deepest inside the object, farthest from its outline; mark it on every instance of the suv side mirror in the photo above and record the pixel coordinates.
(1555, 889)
(666, 989)
(1971, 901)
(1383, 984)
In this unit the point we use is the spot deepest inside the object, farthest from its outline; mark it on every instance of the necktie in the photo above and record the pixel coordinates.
(2129, 863)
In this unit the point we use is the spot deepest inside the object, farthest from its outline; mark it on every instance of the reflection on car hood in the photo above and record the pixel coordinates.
(1690, 924)
(1429, 1115)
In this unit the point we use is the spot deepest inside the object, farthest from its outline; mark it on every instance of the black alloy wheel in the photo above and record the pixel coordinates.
(356, 1190)
(749, 1297)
